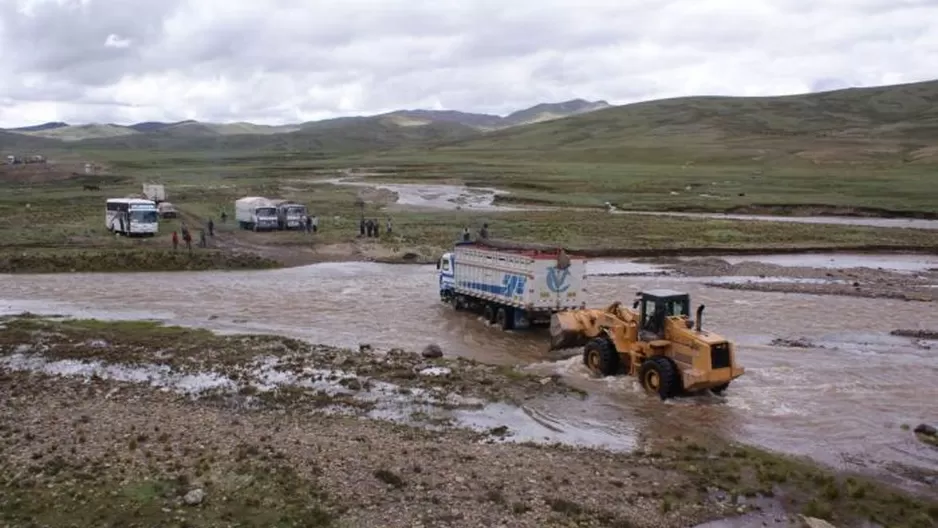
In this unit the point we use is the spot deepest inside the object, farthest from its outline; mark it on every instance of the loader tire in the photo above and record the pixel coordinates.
(601, 357)
(659, 376)
(488, 313)
(720, 389)
(505, 318)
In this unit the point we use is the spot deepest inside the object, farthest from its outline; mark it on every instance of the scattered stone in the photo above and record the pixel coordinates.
(927, 430)
(365, 348)
(813, 522)
(917, 334)
(435, 371)
(801, 342)
(432, 351)
(194, 497)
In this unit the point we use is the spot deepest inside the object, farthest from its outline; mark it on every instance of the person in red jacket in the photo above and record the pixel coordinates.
(175, 241)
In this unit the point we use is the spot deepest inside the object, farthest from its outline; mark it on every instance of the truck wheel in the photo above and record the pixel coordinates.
(505, 318)
(659, 376)
(720, 389)
(601, 357)
(489, 313)
(454, 300)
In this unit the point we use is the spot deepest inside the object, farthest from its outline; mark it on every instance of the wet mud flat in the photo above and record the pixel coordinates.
(136, 424)
(851, 278)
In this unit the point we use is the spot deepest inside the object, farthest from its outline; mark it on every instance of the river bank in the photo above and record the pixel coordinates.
(268, 429)
(227, 252)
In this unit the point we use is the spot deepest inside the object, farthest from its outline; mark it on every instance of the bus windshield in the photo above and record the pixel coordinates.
(144, 217)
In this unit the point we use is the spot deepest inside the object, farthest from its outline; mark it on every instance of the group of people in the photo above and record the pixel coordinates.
(187, 236)
(483, 233)
(372, 229)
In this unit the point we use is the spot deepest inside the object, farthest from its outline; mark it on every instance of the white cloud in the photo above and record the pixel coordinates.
(113, 41)
(293, 60)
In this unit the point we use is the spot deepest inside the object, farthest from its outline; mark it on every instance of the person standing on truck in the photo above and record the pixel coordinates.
(175, 241)
(484, 232)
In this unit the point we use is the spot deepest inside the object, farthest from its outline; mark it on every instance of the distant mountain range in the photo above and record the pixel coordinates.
(165, 132)
(881, 124)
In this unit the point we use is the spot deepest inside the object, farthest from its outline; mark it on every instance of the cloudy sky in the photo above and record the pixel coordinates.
(277, 61)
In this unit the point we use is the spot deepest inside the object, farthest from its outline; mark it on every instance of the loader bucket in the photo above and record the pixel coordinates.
(566, 331)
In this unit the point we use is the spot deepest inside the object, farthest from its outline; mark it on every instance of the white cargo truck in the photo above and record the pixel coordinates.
(154, 192)
(513, 285)
(290, 215)
(256, 213)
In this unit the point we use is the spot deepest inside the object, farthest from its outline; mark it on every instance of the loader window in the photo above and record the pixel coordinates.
(654, 317)
(678, 308)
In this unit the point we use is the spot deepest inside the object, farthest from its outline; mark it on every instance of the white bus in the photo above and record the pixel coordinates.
(132, 216)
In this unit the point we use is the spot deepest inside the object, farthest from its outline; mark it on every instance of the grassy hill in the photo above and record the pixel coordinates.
(447, 124)
(340, 136)
(13, 143)
(861, 124)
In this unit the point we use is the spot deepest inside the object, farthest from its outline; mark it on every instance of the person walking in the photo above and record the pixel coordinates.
(175, 241)
(389, 225)
(308, 223)
(315, 224)
(202, 241)
(187, 238)
(211, 228)
(362, 227)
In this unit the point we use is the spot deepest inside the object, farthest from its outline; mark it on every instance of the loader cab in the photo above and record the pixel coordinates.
(655, 305)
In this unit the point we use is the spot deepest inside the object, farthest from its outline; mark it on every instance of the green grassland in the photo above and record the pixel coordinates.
(865, 151)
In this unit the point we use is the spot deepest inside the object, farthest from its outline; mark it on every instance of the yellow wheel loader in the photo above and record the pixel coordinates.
(655, 340)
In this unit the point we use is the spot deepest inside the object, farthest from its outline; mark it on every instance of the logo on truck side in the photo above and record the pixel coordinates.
(513, 285)
(558, 280)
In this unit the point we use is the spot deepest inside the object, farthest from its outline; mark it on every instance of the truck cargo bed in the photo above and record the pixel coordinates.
(532, 277)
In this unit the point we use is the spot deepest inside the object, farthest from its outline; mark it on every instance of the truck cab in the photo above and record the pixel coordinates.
(446, 266)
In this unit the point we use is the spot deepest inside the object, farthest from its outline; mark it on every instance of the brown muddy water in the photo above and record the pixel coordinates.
(842, 400)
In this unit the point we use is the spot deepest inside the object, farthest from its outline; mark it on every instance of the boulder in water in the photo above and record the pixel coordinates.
(432, 351)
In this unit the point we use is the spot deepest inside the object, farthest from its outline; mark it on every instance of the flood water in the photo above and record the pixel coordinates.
(842, 401)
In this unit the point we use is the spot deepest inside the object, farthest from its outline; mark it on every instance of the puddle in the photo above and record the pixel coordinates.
(900, 262)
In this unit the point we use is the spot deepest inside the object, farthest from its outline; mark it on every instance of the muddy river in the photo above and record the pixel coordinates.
(842, 400)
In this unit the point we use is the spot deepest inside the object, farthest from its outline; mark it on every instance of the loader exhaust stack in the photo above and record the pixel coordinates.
(700, 310)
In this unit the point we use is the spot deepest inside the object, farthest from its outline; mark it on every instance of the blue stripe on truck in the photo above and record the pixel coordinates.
(511, 285)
